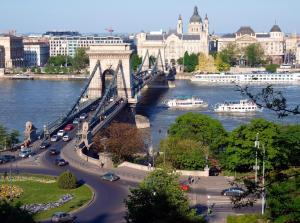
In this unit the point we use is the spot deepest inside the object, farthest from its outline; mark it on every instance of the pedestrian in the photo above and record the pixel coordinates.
(102, 164)
(190, 179)
(149, 166)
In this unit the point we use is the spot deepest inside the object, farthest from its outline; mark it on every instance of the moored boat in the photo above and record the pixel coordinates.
(241, 106)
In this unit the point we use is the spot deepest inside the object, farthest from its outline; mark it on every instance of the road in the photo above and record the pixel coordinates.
(107, 205)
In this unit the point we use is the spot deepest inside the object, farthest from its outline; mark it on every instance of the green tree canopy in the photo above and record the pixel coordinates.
(80, 60)
(8, 138)
(272, 68)
(184, 154)
(201, 128)
(240, 152)
(136, 61)
(14, 213)
(159, 199)
(254, 54)
(190, 62)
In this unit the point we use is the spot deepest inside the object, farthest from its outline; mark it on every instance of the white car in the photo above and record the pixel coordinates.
(83, 116)
(66, 138)
(54, 138)
(61, 133)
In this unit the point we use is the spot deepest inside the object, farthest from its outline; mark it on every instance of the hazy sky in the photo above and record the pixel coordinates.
(38, 16)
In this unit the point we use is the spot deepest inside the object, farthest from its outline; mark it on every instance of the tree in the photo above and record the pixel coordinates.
(221, 65)
(8, 138)
(184, 154)
(229, 55)
(180, 61)
(136, 61)
(272, 68)
(201, 128)
(159, 199)
(284, 200)
(14, 213)
(190, 62)
(123, 141)
(254, 54)
(80, 60)
(240, 152)
(67, 180)
(58, 60)
(205, 63)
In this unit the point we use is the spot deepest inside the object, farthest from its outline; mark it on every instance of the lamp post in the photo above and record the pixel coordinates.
(256, 145)
(263, 196)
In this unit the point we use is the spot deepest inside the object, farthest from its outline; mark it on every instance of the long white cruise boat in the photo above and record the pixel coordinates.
(193, 102)
(241, 106)
(248, 78)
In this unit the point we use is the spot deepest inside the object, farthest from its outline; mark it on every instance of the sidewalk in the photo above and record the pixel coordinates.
(128, 174)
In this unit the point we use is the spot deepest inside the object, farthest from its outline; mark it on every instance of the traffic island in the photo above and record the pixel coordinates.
(42, 194)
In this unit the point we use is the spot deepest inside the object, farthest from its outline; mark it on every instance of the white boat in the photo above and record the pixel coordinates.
(247, 78)
(241, 106)
(193, 102)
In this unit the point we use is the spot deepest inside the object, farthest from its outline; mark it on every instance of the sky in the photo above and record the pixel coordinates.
(94, 16)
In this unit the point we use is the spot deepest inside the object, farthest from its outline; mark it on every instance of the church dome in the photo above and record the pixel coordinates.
(275, 28)
(195, 17)
(245, 30)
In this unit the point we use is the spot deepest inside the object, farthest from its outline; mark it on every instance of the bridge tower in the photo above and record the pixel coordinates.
(109, 57)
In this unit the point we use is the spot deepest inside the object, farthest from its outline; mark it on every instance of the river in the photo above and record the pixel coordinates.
(41, 101)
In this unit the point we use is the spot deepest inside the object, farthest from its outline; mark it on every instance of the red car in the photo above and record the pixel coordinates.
(68, 127)
(184, 187)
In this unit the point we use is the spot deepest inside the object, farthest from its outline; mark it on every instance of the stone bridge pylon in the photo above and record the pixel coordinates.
(109, 58)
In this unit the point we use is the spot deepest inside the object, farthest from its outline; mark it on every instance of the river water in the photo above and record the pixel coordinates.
(41, 101)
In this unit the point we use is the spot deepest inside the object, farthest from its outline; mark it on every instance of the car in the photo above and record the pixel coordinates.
(93, 108)
(9, 158)
(54, 151)
(61, 162)
(44, 145)
(26, 153)
(54, 138)
(62, 217)
(66, 138)
(61, 133)
(83, 116)
(76, 121)
(110, 176)
(184, 187)
(68, 127)
(233, 191)
(2, 160)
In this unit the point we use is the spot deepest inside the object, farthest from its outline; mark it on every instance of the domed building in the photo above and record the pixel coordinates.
(272, 42)
(174, 43)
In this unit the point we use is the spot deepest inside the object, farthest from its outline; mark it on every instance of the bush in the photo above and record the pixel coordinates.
(67, 180)
(248, 218)
(272, 68)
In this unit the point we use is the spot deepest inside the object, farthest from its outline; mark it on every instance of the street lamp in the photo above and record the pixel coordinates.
(263, 196)
(256, 145)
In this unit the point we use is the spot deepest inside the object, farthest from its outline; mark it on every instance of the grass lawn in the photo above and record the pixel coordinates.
(248, 218)
(43, 192)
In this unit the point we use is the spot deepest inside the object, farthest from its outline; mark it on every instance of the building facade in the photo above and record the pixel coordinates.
(13, 51)
(2, 57)
(273, 42)
(67, 45)
(36, 54)
(175, 43)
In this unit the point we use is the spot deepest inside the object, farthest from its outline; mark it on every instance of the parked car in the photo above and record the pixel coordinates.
(26, 153)
(76, 121)
(2, 160)
(233, 191)
(62, 217)
(54, 151)
(9, 158)
(184, 187)
(68, 127)
(54, 138)
(83, 116)
(110, 176)
(93, 108)
(61, 162)
(66, 138)
(61, 133)
(44, 145)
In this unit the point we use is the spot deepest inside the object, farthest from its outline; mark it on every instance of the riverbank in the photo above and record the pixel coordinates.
(183, 76)
(45, 76)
